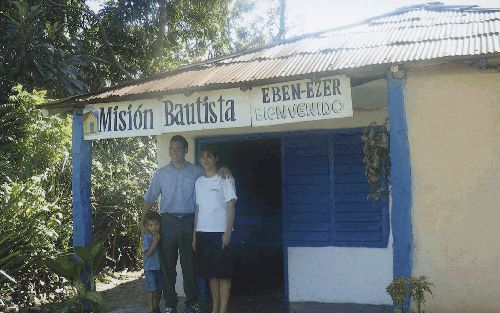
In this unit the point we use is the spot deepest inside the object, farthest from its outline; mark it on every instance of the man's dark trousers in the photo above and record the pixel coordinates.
(176, 239)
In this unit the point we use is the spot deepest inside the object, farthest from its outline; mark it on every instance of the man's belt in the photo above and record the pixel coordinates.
(179, 216)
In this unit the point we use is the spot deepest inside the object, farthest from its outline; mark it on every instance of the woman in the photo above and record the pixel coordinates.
(214, 218)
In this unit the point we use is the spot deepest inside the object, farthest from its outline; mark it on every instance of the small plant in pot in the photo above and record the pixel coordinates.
(413, 287)
(419, 286)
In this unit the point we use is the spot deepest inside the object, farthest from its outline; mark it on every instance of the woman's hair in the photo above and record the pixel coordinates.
(152, 216)
(211, 149)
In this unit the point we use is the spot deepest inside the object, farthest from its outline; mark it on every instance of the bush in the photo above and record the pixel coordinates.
(35, 196)
(121, 172)
(33, 228)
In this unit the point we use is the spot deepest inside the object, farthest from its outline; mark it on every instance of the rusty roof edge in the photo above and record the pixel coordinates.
(378, 68)
(190, 66)
(125, 84)
(354, 73)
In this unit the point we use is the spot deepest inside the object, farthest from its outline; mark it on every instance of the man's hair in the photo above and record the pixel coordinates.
(179, 138)
(152, 216)
(211, 149)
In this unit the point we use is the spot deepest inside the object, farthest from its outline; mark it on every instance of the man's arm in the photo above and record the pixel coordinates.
(225, 173)
(152, 194)
(145, 208)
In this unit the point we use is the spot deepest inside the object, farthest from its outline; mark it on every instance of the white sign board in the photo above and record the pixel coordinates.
(289, 102)
(174, 113)
(301, 101)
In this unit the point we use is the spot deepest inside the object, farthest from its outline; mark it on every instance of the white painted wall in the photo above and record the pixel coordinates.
(340, 275)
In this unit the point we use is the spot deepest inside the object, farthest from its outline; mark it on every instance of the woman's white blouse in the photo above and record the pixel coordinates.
(212, 195)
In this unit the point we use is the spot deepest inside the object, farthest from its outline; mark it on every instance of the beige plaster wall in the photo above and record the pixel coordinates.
(453, 115)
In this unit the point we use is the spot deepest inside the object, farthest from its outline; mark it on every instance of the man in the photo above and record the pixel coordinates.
(175, 182)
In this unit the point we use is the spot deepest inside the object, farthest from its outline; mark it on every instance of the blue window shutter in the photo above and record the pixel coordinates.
(358, 221)
(307, 190)
(326, 193)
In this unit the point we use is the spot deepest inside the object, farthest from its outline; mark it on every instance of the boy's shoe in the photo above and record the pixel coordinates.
(193, 309)
(170, 310)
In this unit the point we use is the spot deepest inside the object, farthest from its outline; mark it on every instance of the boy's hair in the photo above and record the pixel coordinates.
(179, 138)
(211, 149)
(152, 216)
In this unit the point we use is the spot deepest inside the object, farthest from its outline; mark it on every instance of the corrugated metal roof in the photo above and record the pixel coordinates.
(415, 33)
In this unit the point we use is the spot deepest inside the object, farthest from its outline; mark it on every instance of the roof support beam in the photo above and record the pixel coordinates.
(401, 189)
(81, 152)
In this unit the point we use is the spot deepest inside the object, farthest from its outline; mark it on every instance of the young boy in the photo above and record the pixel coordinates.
(153, 282)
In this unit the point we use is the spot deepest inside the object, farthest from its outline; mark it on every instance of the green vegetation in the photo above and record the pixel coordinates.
(414, 288)
(35, 198)
(58, 48)
(70, 267)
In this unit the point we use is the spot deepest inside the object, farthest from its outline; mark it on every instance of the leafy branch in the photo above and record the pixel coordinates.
(102, 34)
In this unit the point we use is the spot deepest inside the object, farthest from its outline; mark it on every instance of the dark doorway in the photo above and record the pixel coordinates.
(257, 237)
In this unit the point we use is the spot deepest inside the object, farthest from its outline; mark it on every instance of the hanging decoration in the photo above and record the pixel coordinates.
(377, 160)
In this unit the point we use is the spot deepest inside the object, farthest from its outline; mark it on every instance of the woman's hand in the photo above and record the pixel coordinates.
(226, 239)
(156, 237)
(194, 242)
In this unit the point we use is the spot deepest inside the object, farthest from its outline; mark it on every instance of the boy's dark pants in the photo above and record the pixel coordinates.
(177, 235)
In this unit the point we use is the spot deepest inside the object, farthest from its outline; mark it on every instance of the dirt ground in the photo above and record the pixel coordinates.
(123, 293)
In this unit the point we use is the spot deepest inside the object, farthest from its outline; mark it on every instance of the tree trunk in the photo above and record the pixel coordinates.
(282, 31)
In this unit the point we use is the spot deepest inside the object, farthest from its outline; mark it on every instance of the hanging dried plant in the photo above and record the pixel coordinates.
(377, 159)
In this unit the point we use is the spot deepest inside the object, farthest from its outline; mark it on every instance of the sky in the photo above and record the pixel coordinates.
(307, 16)
(316, 15)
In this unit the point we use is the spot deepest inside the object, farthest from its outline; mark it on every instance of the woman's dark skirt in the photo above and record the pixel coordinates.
(211, 260)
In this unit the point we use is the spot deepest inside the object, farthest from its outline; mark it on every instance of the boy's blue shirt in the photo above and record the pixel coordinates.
(150, 262)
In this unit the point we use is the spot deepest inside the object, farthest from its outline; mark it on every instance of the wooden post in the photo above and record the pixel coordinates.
(81, 152)
(401, 190)
(82, 162)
